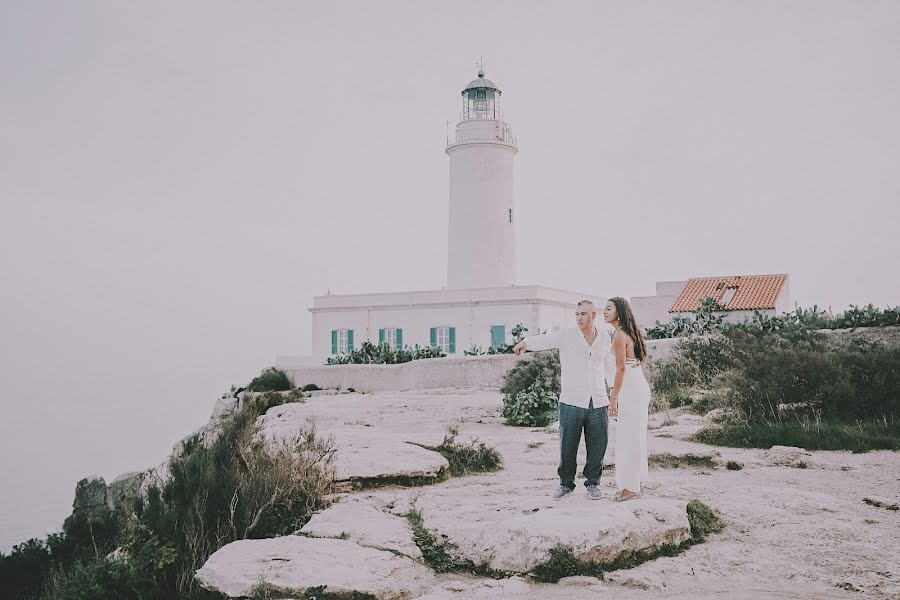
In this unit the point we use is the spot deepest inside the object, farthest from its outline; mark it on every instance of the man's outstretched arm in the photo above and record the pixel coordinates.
(535, 343)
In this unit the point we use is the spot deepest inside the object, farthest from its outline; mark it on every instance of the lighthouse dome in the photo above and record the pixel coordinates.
(481, 84)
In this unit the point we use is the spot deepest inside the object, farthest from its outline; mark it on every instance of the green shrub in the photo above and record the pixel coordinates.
(734, 465)
(703, 521)
(708, 318)
(694, 362)
(24, 569)
(98, 579)
(235, 488)
(861, 436)
(465, 459)
(563, 563)
(310, 387)
(534, 407)
(271, 380)
(531, 391)
(776, 379)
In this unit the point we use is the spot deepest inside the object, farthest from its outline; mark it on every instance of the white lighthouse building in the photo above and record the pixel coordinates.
(482, 302)
(482, 240)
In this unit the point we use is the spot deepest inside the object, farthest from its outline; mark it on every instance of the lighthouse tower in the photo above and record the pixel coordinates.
(481, 242)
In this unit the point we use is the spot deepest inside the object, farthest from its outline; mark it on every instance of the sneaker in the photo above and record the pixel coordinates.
(592, 492)
(562, 492)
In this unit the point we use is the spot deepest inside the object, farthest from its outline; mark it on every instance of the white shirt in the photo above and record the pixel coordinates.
(585, 369)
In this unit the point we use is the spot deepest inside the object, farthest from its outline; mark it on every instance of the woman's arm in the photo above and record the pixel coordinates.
(619, 342)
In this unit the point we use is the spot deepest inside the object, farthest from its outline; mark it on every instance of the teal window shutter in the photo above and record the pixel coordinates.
(434, 336)
(452, 340)
(380, 336)
(349, 340)
(400, 338)
(498, 335)
(334, 341)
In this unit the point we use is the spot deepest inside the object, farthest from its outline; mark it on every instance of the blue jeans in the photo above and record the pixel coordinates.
(594, 421)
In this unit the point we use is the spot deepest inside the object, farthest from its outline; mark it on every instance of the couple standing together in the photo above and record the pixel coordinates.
(591, 360)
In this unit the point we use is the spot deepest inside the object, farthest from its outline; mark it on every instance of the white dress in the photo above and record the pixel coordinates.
(631, 428)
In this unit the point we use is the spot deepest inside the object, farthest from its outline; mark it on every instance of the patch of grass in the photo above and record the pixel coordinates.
(563, 563)
(881, 504)
(672, 461)
(439, 555)
(533, 445)
(369, 483)
(824, 435)
(734, 465)
(466, 459)
(703, 520)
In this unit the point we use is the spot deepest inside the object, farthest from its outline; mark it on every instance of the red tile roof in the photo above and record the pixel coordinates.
(753, 292)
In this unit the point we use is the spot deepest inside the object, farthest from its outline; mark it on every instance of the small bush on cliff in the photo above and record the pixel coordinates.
(465, 459)
(271, 380)
(531, 391)
(98, 579)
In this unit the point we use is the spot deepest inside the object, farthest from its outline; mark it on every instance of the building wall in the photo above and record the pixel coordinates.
(471, 312)
(650, 309)
(473, 324)
(449, 372)
(783, 303)
(670, 288)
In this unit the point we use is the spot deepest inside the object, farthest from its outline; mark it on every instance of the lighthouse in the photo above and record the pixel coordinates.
(481, 249)
(482, 303)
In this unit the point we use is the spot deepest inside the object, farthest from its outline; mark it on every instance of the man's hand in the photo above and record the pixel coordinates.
(519, 348)
(613, 410)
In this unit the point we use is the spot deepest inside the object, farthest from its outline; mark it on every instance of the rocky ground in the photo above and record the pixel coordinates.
(796, 523)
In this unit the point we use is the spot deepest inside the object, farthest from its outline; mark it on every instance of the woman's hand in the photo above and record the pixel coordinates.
(614, 406)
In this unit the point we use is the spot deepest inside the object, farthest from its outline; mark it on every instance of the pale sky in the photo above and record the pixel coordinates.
(178, 180)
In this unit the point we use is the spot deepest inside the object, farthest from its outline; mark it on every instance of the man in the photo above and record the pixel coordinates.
(585, 363)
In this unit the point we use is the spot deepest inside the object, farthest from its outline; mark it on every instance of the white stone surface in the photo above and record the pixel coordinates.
(488, 589)
(366, 525)
(294, 563)
(791, 533)
(513, 526)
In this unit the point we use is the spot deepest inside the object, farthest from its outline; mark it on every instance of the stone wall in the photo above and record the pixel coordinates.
(484, 371)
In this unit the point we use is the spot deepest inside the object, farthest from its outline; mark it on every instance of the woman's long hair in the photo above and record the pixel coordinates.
(630, 326)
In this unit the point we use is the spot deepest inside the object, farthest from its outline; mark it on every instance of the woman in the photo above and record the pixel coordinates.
(629, 400)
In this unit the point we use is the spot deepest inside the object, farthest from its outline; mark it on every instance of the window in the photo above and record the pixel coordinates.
(393, 337)
(729, 295)
(444, 338)
(341, 341)
(498, 335)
